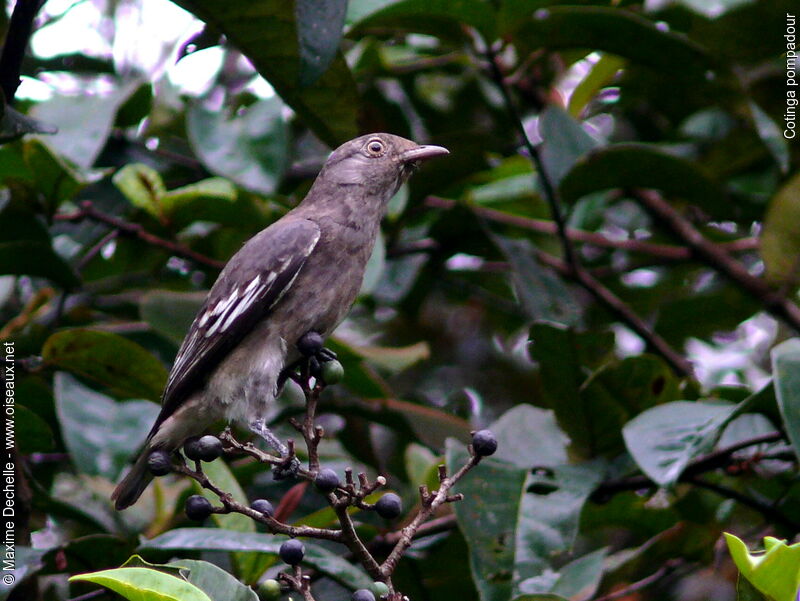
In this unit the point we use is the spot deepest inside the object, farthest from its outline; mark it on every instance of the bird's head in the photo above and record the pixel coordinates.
(379, 163)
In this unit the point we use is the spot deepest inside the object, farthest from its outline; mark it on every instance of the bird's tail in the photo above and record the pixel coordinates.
(133, 484)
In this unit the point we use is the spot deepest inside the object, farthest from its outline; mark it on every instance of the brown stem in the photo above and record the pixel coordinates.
(572, 265)
(429, 505)
(617, 306)
(87, 211)
(20, 27)
(667, 252)
(718, 259)
(629, 590)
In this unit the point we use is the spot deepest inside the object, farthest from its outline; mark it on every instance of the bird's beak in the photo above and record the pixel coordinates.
(421, 153)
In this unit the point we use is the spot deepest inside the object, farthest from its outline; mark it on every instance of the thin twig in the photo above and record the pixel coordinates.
(429, 505)
(88, 211)
(548, 188)
(718, 259)
(571, 266)
(669, 566)
(768, 510)
(617, 306)
(669, 252)
(19, 31)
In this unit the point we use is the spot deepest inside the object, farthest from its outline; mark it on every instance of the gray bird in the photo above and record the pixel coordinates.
(299, 275)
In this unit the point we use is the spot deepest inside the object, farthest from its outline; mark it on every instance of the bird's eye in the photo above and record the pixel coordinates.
(375, 147)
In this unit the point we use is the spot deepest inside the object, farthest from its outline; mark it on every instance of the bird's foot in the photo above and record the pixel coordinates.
(311, 346)
(289, 464)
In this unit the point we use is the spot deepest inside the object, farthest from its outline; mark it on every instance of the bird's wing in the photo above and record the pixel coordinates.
(253, 281)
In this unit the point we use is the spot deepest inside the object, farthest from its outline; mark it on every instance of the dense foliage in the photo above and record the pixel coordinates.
(603, 272)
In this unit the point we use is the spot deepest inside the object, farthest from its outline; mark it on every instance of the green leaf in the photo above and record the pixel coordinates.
(488, 517)
(14, 125)
(55, 180)
(38, 436)
(249, 566)
(786, 373)
(576, 580)
(643, 166)
(565, 359)
(214, 582)
(143, 186)
(564, 142)
(601, 74)
(84, 122)
(171, 313)
(772, 136)
(26, 257)
(127, 369)
(549, 515)
(139, 584)
(100, 433)
(395, 359)
(200, 539)
(26, 249)
(319, 31)
(517, 446)
(540, 291)
(664, 439)
(780, 236)
(775, 572)
(249, 148)
(216, 189)
(425, 16)
(612, 30)
(266, 32)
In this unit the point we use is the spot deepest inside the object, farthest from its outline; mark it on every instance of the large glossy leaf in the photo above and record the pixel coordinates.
(564, 142)
(214, 582)
(124, 367)
(171, 313)
(780, 237)
(664, 439)
(425, 16)
(138, 584)
(250, 148)
(786, 372)
(517, 446)
(488, 517)
(84, 122)
(249, 566)
(772, 136)
(611, 30)
(319, 31)
(542, 294)
(325, 561)
(26, 249)
(643, 166)
(265, 31)
(100, 433)
(38, 436)
(565, 359)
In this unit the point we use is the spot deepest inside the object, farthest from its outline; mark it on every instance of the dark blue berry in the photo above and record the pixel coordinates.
(484, 443)
(326, 480)
(159, 463)
(263, 506)
(203, 448)
(198, 508)
(389, 506)
(292, 551)
(363, 594)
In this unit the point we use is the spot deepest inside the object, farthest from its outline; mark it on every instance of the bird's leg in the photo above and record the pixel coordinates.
(291, 464)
